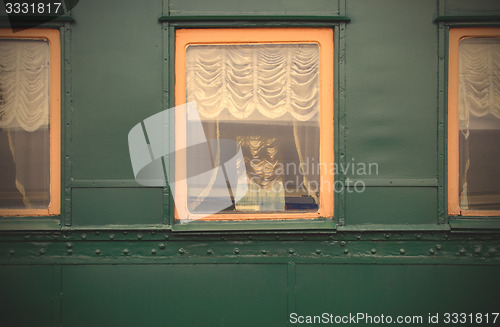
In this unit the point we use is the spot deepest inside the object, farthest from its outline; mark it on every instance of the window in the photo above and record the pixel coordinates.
(474, 122)
(266, 94)
(29, 122)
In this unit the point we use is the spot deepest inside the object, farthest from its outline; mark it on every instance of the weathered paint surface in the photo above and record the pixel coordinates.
(115, 260)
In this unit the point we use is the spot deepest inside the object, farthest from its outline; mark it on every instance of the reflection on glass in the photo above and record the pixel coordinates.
(262, 99)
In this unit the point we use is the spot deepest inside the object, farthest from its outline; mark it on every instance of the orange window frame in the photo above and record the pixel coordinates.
(455, 36)
(321, 36)
(52, 36)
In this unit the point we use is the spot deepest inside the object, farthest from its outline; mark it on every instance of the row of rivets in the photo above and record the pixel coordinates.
(431, 251)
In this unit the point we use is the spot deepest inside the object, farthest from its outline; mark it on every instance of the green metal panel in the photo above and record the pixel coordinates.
(174, 295)
(397, 290)
(117, 82)
(116, 206)
(257, 7)
(27, 296)
(392, 205)
(392, 87)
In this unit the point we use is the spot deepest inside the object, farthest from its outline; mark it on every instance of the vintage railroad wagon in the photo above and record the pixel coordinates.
(400, 97)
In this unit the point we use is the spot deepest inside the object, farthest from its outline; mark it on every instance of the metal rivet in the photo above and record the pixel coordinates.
(167, 237)
(111, 236)
(139, 236)
(161, 246)
(318, 251)
(12, 252)
(446, 236)
(438, 247)
(97, 251)
(210, 251)
(250, 237)
(223, 238)
(42, 251)
(402, 251)
(291, 251)
(331, 237)
(373, 251)
(358, 237)
(98, 232)
(26, 237)
(153, 251)
(125, 232)
(387, 236)
(126, 251)
(153, 232)
(236, 251)
(492, 251)
(84, 236)
(477, 251)
(70, 251)
(277, 237)
(342, 243)
(264, 251)
(431, 251)
(181, 251)
(69, 245)
(418, 236)
(461, 251)
(346, 251)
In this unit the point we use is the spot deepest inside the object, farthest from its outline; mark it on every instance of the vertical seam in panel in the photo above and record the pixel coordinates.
(166, 101)
(340, 113)
(67, 128)
(441, 118)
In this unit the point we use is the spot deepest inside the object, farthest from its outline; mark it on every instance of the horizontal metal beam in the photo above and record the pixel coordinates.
(255, 18)
(490, 224)
(387, 227)
(302, 226)
(408, 182)
(468, 19)
(106, 183)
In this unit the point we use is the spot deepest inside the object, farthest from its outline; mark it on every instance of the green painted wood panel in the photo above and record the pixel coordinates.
(116, 206)
(174, 295)
(258, 7)
(116, 82)
(27, 296)
(391, 104)
(396, 289)
(392, 205)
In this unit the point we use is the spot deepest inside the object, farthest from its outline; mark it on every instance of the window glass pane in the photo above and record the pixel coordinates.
(479, 119)
(24, 124)
(264, 100)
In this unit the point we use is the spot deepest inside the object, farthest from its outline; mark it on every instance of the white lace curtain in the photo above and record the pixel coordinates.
(271, 79)
(24, 84)
(479, 79)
